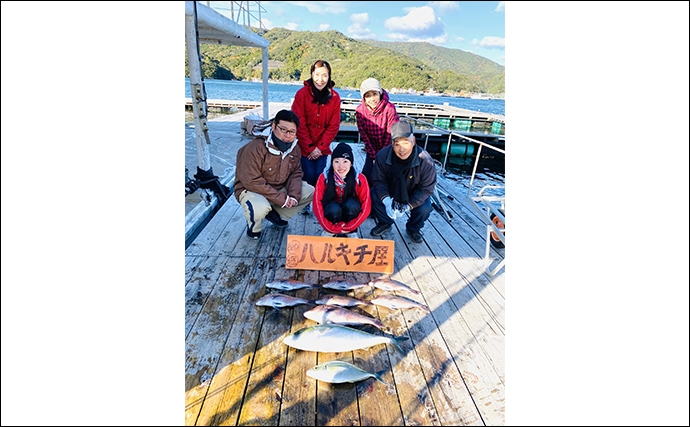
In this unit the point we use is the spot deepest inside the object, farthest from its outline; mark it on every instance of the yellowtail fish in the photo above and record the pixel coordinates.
(340, 316)
(337, 371)
(395, 302)
(288, 285)
(280, 301)
(330, 338)
(392, 285)
(341, 301)
(343, 285)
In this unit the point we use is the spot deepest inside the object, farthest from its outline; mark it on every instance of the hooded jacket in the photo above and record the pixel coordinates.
(318, 124)
(375, 126)
(420, 184)
(362, 193)
(263, 169)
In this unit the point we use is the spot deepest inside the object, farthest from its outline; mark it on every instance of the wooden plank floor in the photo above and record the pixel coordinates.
(451, 370)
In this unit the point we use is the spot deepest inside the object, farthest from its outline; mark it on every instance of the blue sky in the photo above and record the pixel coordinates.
(472, 26)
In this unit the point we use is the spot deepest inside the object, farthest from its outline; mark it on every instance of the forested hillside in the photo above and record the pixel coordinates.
(291, 54)
(483, 71)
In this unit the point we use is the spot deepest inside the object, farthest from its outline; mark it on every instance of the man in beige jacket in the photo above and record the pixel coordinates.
(268, 176)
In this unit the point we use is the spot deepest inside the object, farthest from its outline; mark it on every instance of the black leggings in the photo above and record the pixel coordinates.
(336, 212)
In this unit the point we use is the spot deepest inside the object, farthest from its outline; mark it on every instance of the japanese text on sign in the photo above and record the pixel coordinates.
(339, 254)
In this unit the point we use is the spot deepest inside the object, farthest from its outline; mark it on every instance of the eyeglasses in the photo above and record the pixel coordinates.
(286, 130)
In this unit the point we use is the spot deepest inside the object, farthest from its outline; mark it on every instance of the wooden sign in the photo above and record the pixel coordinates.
(339, 254)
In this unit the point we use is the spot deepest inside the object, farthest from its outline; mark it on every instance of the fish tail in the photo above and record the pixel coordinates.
(379, 376)
(396, 340)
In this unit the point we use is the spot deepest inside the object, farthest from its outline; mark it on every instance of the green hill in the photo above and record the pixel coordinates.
(481, 70)
(291, 54)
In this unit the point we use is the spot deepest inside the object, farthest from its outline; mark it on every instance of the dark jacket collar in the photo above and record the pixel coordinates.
(415, 160)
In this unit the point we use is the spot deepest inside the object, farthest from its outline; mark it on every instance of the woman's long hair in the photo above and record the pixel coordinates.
(321, 96)
(330, 193)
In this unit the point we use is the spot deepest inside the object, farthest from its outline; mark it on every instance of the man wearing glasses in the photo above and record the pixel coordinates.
(268, 176)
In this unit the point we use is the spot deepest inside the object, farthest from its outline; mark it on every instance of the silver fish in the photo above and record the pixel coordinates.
(280, 301)
(337, 371)
(392, 285)
(395, 302)
(340, 300)
(330, 338)
(343, 285)
(340, 316)
(288, 285)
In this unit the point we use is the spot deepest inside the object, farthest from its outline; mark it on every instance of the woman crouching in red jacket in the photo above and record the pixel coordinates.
(341, 199)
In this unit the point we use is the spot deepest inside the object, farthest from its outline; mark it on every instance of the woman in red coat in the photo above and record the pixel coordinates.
(341, 200)
(317, 106)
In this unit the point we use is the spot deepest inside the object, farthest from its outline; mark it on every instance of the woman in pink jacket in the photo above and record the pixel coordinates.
(375, 116)
(317, 106)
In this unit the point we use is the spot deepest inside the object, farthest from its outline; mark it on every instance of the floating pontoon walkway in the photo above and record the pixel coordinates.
(451, 370)
(431, 111)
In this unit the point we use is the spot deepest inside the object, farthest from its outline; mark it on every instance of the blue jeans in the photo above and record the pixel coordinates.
(311, 169)
(418, 215)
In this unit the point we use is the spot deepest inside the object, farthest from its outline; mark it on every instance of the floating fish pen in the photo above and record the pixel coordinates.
(435, 124)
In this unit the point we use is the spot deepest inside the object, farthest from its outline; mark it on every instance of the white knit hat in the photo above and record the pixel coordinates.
(370, 84)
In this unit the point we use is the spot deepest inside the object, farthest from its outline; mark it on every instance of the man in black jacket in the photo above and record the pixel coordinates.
(403, 178)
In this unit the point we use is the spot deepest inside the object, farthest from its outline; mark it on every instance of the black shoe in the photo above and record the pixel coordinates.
(306, 209)
(253, 235)
(276, 219)
(415, 235)
(380, 229)
(340, 235)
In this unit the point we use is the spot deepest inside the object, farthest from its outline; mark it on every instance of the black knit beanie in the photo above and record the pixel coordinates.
(342, 150)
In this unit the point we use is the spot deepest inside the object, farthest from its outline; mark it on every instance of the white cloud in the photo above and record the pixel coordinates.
(490, 42)
(360, 18)
(460, 39)
(396, 36)
(358, 29)
(322, 7)
(419, 23)
(292, 26)
(433, 40)
(501, 7)
(445, 6)
(267, 24)
(324, 27)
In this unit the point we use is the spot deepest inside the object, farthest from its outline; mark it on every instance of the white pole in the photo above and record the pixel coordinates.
(264, 71)
(195, 80)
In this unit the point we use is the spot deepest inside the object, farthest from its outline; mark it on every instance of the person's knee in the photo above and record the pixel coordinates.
(351, 208)
(333, 212)
(426, 208)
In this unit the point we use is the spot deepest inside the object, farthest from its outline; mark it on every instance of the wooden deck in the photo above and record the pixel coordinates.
(451, 370)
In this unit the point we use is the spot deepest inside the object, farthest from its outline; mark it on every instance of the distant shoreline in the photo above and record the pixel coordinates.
(392, 91)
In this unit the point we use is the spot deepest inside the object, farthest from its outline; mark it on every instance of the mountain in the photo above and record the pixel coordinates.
(291, 54)
(485, 71)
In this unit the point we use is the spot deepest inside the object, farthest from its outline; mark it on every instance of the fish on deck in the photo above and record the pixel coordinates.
(391, 285)
(340, 300)
(340, 316)
(337, 371)
(396, 302)
(343, 285)
(280, 301)
(289, 285)
(330, 338)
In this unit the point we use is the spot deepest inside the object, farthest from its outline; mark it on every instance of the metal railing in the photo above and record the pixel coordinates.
(481, 198)
(450, 138)
(241, 13)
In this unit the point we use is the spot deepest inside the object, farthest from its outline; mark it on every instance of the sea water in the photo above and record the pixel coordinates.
(490, 171)
(253, 91)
